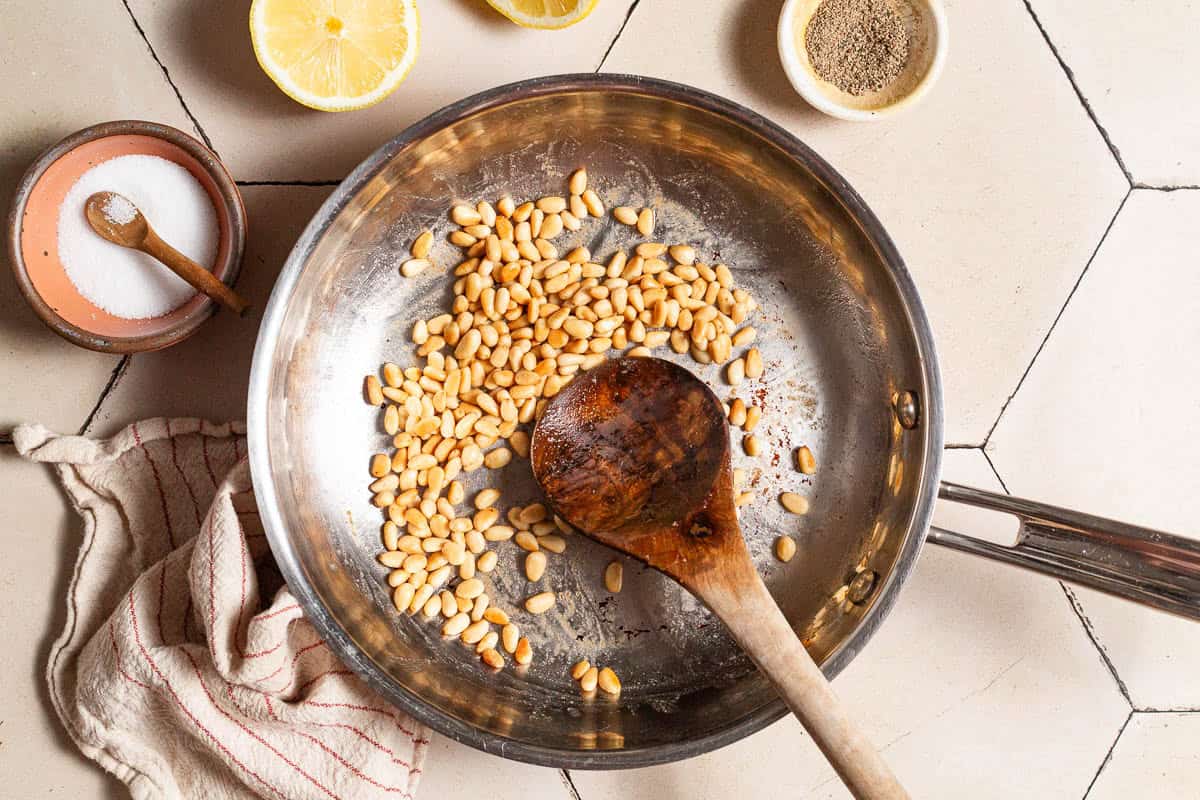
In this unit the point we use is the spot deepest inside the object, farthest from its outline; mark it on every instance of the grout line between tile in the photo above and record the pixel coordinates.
(995, 471)
(1108, 755)
(330, 182)
(1185, 187)
(117, 373)
(632, 7)
(1112, 148)
(1090, 630)
(1166, 711)
(1062, 310)
(569, 784)
(167, 74)
(962, 446)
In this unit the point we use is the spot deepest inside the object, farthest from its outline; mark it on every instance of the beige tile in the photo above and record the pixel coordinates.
(1104, 421)
(1156, 757)
(37, 553)
(453, 770)
(263, 135)
(996, 189)
(1138, 73)
(66, 65)
(982, 677)
(206, 376)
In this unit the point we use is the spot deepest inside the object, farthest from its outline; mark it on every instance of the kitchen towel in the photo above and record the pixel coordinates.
(186, 668)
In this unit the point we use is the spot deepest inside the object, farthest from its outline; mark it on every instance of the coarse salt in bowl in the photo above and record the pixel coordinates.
(97, 294)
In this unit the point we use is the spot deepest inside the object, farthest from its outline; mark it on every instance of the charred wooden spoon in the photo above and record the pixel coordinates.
(635, 453)
(121, 222)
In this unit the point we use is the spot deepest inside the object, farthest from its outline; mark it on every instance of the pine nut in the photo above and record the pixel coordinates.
(745, 335)
(449, 605)
(495, 615)
(474, 632)
(589, 679)
(580, 668)
(645, 222)
(527, 541)
(402, 597)
(422, 245)
(613, 576)
(535, 566)
(469, 589)
(540, 603)
(753, 415)
(683, 254)
(625, 215)
(414, 266)
(751, 445)
(480, 607)
(785, 548)
(492, 658)
(578, 182)
(594, 205)
(794, 503)
(552, 542)
(372, 391)
(486, 562)
(465, 215)
(380, 465)
(735, 372)
(607, 681)
(510, 635)
(524, 652)
(754, 364)
(806, 462)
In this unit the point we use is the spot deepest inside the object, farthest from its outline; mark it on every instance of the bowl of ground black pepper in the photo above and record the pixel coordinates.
(862, 60)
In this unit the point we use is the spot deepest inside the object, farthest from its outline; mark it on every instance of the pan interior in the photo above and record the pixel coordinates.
(836, 333)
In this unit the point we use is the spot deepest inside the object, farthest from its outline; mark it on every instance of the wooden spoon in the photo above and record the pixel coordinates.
(635, 453)
(137, 234)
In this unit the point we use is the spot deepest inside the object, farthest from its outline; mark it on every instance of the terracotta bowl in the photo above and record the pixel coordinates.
(33, 235)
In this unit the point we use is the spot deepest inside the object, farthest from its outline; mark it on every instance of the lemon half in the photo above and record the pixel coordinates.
(335, 55)
(544, 14)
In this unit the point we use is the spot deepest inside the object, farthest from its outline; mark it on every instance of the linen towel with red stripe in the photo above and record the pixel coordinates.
(186, 668)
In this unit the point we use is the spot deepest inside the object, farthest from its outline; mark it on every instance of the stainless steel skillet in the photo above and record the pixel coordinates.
(851, 372)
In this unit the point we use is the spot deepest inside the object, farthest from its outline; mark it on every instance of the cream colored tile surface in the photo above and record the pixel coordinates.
(981, 677)
(207, 375)
(1133, 65)
(64, 66)
(996, 189)
(1155, 757)
(263, 135)
(1106, 418)
(454, 770)
(41, 537)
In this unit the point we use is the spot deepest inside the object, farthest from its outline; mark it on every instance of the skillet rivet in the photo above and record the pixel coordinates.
(862, 586)
(907, 411)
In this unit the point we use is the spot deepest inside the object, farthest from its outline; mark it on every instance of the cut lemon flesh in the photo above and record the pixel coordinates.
(544, 14)
(335, 55)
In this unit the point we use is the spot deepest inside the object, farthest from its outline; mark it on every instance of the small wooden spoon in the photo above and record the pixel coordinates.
(635, 453)
(137, 234)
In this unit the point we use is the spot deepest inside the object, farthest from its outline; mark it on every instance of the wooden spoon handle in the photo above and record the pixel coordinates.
(743, 603)
(193, 273)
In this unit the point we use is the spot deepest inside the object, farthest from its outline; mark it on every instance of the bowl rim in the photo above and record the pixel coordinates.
(258, 418)
(228, 270)
(806, 86)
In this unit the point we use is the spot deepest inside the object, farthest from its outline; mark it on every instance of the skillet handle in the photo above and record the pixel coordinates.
(1150, 567)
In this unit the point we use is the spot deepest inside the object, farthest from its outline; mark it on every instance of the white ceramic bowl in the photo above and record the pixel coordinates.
(927, 44)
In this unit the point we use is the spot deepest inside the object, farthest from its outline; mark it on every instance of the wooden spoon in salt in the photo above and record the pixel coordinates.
(119, 221)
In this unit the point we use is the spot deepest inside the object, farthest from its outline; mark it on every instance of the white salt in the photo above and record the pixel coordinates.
(124, 282)
(118, 210)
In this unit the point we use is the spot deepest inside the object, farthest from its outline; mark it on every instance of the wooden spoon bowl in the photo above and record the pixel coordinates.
(635, 454)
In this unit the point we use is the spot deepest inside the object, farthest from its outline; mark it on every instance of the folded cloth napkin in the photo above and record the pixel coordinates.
(186, 668)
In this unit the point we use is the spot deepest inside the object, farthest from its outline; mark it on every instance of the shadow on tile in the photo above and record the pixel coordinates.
(214, 39)
(755, 60)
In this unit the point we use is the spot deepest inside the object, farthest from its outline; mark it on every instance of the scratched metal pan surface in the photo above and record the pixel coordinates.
(842, 333)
